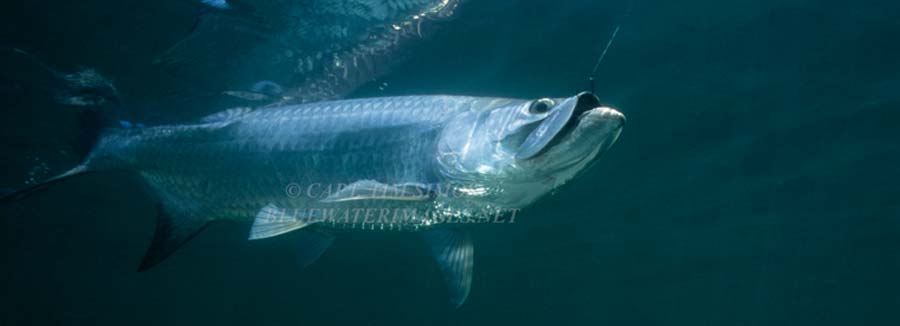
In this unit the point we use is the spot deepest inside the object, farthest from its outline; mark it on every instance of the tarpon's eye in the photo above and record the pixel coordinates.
(540, 106)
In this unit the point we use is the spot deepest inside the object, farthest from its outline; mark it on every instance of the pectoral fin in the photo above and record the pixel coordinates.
(373, 190)
(453, 250)
(273, 221)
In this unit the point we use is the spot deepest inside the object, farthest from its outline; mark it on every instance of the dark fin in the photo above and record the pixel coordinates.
(175, 226)
(453, 250)
(79, 99)
(310, 245)
(20, 194)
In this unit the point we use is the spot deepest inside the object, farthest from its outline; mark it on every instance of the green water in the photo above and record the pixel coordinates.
(755, 182)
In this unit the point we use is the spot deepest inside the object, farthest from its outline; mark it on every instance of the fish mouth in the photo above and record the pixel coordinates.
(589, 107)
(593, 133)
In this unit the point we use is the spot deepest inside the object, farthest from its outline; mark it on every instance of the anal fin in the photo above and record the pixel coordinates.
(454, 253)
(273, 221)
(174, 228)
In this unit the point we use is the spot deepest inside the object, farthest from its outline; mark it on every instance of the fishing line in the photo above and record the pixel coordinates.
(603, 55)
(626, 16)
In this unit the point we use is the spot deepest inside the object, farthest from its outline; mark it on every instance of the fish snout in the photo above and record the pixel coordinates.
(605, 113)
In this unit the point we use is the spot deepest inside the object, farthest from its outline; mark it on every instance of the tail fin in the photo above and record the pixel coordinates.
(33, 189)
(82, 104)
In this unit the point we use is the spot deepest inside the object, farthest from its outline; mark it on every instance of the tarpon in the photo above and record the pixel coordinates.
(439, 165)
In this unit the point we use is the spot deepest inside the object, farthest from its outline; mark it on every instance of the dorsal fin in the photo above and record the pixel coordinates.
(226, 115)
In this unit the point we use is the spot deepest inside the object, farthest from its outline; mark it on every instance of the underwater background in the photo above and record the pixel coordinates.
(755, 182)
